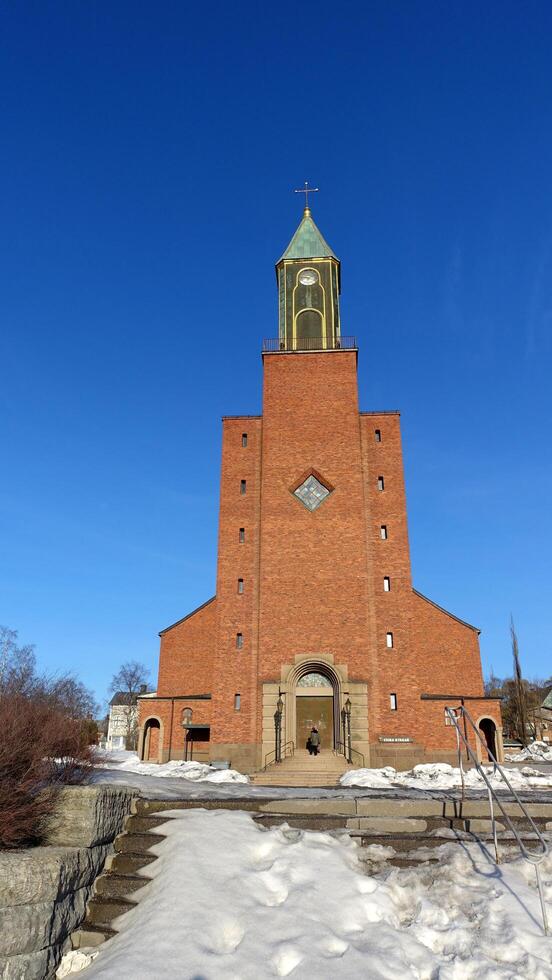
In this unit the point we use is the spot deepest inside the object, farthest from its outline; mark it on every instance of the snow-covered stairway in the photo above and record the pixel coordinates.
(400, 823)
(121, 878)
(303, 769)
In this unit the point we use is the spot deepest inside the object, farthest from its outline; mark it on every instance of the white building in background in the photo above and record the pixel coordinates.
(123, 720)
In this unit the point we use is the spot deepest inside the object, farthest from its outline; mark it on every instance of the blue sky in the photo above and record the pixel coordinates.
(147, 162)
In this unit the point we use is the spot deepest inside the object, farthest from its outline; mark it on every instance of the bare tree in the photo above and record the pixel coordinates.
(17, 665)
(130, 680)
(72, 697)
(521, 693)
(19, 675)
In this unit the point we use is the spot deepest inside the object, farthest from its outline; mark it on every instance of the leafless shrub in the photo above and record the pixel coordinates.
(40, 749)
(43, 742)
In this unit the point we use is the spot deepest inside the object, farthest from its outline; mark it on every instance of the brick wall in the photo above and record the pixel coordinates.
(313, 582)
(314, 587)
(393, 670)
(186, 656)
(236, 668)
(170, 712)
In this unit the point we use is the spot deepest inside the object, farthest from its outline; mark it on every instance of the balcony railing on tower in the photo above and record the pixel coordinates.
(308, 343)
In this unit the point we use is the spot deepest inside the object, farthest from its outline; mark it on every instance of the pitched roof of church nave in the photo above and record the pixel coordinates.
(308, 242)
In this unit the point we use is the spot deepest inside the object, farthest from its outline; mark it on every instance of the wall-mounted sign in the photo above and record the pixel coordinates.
(383, 738)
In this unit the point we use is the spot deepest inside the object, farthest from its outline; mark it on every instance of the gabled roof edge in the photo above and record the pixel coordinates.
(446, 611)
(184, 618)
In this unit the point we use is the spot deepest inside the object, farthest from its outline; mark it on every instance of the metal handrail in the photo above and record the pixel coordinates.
(284, 752)
(272, 344)
(341, 749)
(533, 858)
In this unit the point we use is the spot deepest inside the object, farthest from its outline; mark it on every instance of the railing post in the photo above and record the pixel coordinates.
(348, 713)
(344, 727)
(276, 736)
(531, 857)
(493, 824)
(541, 896)
(278, 729)
(452, 715)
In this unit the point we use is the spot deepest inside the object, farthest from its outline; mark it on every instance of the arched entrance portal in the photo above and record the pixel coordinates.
(296, 684)
(314, 707)
(314, 701)
(152, 740)
(487, 728)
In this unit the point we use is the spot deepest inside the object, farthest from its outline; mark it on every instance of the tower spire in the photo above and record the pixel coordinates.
(306, 190)
(309, 283)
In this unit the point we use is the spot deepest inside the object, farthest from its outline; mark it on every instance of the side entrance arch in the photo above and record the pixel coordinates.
(150, 746)
(492, 739)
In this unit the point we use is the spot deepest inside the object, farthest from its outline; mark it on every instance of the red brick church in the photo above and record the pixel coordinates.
(315, 620)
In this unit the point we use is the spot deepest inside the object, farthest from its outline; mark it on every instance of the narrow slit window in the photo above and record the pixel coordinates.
(383, 532)
(244, 439)
(240, 586)
(393, 702)
(389, 639)
(386, 583)
(381, 483)
(243, 486)
(237, 702)
(377, 434)
(239, 641)
(242, 535)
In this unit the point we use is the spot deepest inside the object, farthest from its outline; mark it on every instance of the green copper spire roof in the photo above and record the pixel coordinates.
(307, 242)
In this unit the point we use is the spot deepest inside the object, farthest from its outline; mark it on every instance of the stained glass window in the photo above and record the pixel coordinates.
(312, 492)
(313, 680)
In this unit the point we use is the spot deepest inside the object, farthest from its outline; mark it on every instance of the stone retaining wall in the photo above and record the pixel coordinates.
(44, 890)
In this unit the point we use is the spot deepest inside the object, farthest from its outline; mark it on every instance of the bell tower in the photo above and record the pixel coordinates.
(309, 284)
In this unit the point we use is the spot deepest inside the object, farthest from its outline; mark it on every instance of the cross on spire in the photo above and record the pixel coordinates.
(306, 190)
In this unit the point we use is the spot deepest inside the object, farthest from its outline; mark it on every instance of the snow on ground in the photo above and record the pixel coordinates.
(230, 900)
(439, 775)
(124, 768)
(538, 751)
(196, 771)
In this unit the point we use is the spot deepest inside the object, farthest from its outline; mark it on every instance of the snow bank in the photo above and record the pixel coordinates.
(537, 751)
(232, 901)
(195, 771)
(439, 775)
(74, 961)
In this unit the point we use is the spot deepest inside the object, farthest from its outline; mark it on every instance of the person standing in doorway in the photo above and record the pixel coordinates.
(314, 742)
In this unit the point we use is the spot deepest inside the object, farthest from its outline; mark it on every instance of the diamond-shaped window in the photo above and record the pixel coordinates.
(312, 492)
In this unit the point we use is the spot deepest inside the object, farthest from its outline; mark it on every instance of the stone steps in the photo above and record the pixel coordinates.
(302, 769)
(413, 828)
(296, 777)
(127, 863)
(116, 885)
(143, 823)
(297, 782)
(121, 879)
(91, 935)
(103, 909)
(445, 809)
(136, 843)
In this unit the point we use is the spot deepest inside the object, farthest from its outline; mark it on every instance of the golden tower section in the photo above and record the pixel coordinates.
(309, 303)
(309, 284)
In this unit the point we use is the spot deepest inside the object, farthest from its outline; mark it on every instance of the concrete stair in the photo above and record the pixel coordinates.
(302, 769)
(409, 829)
(412, 827)
(122, 877)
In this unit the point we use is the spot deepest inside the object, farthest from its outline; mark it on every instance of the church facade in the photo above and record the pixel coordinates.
(315, 619)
